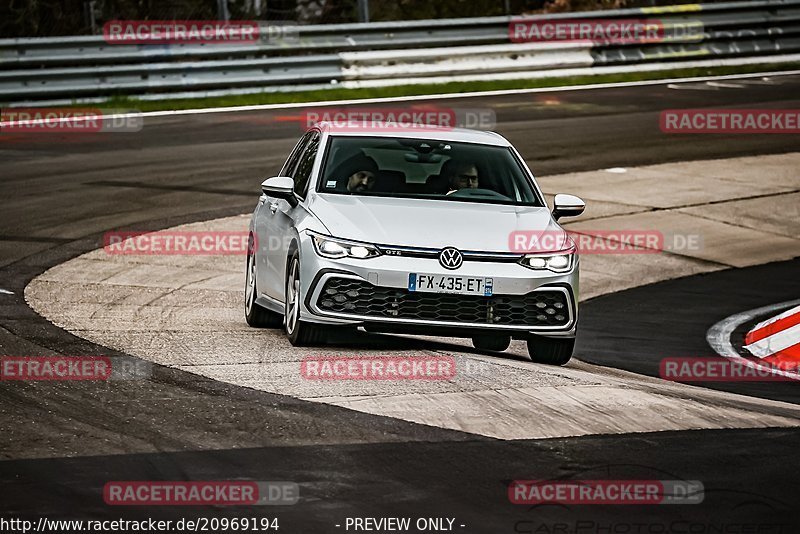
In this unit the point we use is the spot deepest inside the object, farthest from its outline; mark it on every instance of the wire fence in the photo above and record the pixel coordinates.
(43, 18)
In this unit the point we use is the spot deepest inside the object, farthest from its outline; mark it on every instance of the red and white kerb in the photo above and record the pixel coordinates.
(776, 340)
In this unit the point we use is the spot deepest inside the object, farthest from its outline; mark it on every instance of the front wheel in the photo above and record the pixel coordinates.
(551, 351)
(300, 333)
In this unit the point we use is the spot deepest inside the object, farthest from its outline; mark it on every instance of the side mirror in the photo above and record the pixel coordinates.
(280, 187)
(567, 206)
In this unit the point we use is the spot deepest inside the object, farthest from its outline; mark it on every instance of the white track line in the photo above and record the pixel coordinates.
(693, 87)
(505, 92)
(725, 85)
(719, 335)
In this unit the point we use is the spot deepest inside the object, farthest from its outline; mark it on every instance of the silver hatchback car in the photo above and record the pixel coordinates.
(412, 232)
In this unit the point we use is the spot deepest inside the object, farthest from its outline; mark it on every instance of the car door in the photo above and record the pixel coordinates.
(285, 215)
(269, 242)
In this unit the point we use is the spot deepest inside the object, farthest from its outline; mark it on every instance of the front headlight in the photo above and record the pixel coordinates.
(330, 247)
(558, 263)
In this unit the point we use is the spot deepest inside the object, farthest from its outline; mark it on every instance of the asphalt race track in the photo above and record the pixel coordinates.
(62, 442)
(443, 478)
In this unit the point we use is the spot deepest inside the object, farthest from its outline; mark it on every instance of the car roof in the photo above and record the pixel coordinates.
(437, 133)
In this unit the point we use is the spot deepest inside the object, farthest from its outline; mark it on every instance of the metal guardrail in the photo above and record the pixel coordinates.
(306, 39)
(139, 78)
(75, 67)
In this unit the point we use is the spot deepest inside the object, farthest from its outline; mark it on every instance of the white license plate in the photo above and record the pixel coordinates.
(445, 283)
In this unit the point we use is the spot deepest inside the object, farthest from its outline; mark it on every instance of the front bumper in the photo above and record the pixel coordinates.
(374, 292)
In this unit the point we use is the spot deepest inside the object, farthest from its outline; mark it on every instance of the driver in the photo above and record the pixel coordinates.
(361, 181)
(460, 175)
(363, 172)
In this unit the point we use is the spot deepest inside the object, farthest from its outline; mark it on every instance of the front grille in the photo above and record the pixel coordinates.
(356, 297)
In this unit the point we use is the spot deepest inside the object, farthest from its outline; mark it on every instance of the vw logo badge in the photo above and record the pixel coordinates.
(450, 258)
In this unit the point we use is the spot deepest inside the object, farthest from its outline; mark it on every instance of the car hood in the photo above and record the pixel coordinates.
(429, 223)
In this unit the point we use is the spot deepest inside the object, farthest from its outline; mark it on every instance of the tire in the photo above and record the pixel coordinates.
(256, 316)
(551, 351)
(300, 333)
(492, 342)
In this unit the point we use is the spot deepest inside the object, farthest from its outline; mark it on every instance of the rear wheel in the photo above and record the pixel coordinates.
(551, 351)
(300, 333)
(257, 316)
(493, 342)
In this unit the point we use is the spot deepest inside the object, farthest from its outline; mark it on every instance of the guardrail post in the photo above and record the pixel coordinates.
(90, 14)
(363, 10)
(222, 10)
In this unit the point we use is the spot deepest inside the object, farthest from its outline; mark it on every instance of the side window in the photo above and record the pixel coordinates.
(306, 162)
(291, 163)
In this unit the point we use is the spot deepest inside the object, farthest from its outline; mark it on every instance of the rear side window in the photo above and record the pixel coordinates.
(302, 173)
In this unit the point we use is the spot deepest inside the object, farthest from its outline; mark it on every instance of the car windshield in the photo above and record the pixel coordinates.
(420, 168)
